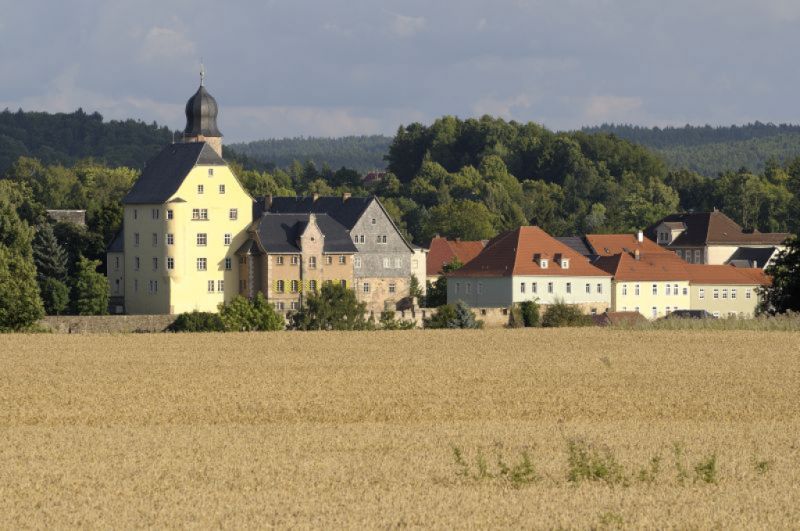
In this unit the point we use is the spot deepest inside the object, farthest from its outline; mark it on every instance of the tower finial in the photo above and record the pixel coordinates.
(202, 73)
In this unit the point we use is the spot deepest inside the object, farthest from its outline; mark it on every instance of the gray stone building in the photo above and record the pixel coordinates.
(383, 263)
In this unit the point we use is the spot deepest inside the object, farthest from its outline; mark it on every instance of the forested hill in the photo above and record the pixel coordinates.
(361, 153)
(64, 138)
(714, 150)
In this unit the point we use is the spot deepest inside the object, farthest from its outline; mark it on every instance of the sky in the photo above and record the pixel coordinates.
(284, 68)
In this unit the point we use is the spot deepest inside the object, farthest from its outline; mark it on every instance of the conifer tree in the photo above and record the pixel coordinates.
(90, 289)
(20, 304)
(49, 256)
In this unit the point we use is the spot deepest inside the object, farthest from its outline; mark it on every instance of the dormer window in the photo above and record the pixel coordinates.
(543, 263)
(565, 263)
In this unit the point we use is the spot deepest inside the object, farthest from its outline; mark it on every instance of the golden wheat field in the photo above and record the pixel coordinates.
(443, 429)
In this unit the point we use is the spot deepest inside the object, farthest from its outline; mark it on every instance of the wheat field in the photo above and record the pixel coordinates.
(499, 428)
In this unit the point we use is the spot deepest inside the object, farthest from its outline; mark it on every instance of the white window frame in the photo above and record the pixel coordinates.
(227, 238)
(202, 239)
(202, 264)
(233, 214)
(357, 262)
(201, 189)
(210, 286)
(392, 287)
(221, 188)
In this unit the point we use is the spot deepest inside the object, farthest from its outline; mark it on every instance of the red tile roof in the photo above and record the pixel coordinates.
(726, 274)
(514, 253)
(611, 244)
(650, 266)
(442, 251)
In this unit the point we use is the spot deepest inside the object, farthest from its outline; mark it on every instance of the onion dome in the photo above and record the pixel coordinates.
(201, 115)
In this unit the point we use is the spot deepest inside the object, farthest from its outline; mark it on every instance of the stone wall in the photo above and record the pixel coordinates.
(491, 317)
(84, 324)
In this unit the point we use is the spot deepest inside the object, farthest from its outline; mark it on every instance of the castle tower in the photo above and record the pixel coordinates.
(201, 118)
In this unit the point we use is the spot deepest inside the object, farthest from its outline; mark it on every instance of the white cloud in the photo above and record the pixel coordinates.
(503, 108)
(165, 45)
(613, 108)
(405, 26)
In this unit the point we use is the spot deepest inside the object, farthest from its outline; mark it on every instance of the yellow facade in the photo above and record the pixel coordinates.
(652, 299)
(726, 300)
(166, 245)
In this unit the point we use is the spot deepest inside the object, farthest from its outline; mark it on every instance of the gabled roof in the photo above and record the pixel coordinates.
(117, 244)
(164, 173)
(577, 243)
(747, 256)
(659, 266)
(442, 251)
(514, 253)
(280, 233)
(347, 211)
(704, 228)
(611, 244)
(726, 274)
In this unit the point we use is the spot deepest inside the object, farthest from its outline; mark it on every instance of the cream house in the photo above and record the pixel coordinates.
(726, 291)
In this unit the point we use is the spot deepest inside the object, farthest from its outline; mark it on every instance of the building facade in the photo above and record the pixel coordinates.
(726, 291)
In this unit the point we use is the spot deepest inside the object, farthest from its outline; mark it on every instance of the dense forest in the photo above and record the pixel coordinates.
(361, 153)
(713, 150)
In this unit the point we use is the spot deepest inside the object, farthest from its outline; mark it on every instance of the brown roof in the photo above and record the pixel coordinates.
(514, 253)
(611, 244)
(650, 266)
(703, 228)
(442, 251)
(618, 318)
(726, 274)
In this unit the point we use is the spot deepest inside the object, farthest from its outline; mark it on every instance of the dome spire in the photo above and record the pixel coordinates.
(202, 72)
(201, 117)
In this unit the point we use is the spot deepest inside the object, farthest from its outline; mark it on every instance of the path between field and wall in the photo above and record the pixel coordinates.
(497, 428)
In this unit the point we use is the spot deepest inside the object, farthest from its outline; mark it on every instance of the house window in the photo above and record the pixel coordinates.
(170, 263)
(480, 288)
(685, 291)
(655, 312)
(201, 264)
(136, 239)
(468, 288)
(233, 214)
(716, 294)
(155, 264)
(228, 263)
(543, 263)
(679, 253)
(202, 239)
(295, 259)
(702, 293)
(170, 214)
(135, 213)
(155, 213)
(747, 294)
(220, 285)
(725, 293)
(697, 258)
(373, 221)
(522, 287)
(136, 285)
(458, 287)
(155, 239)
(342, 260)
(624, 289)
(386, 263)
(534, 287)
(365, 287)
(312, 262)
(733, 293)
(382, 238)
(211, 286)
(136, 263)
(312, 285)
(355, 238)
(211, 172)
(674, 289)
(357, 262)
(278, 260)
(398, 263)
(655, 289)
(222, 188)
(279, 305)
(361, 239)
(294, 286)
(280, 286)
(294, 305)
(200, 213)
(392, 287)
(170, 239)
(588, 288)
(328, 260)
(153, 286)
(227, 238)
(549, 287)
(599, 288)
(636, 290)
(569, 287)
(668, 290)
(116, 263)
(200, 189)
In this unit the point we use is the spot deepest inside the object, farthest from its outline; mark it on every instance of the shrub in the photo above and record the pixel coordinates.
(530, 313)
(453, 316)
(335, 307)
(593, 464)
(243, 315)
(563, 314)
(197, 322)
(55, 295)
(389, 321)
(90, 288)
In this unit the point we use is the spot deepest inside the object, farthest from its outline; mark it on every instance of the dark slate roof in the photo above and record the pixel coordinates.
(117, 245)
(279, 233)
(703, 228)
(249, 247)
(745, 256)
(345, 211)
(201, 114)
(577, 244)
(164, 173)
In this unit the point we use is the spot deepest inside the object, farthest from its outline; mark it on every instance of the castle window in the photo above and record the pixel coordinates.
(312, 262)
(295, 259)
(386, 263)
(522, 287)
(747, 294)
(170, 263)
(636, 291)
(211, 172)
(382, 239)
(155, 213)
(135, 213)
(328, 260)
(227, 239)
(155, 264)
(211, 286)
(222, 188)
(153, 287)
(669, 291)
(280, 286)
(725, 293)
(136, 263)
(480, 289)
(202, 239)
(170, 239)
(342, 260)
(220, 285)
(228, 263)
(392, 287)
(200, 213)
(116, 263)
(716, 294)
(398, 263)
(534, 287)
(136, 239)
(374, 221)
(279, 305)
(599, 288)
(200, 189)
(155, 239)
(294, 305)
(312, 285)
(202, 264)
(655, 289)
(543, 263)
(233, 214)
(279, 260)
(170, 214)
(294, 286)
(365, 287)
(357, 262)
(733, 293)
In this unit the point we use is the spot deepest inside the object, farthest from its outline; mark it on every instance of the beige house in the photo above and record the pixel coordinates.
(726, 291)
(714, 238)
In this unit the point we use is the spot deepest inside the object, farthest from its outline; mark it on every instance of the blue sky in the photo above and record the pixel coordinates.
(338, 67)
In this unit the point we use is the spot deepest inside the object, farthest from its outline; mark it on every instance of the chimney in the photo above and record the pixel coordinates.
(755, 264)
(640, 237)
(346, 196)
(315, 197)
(636, 254)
